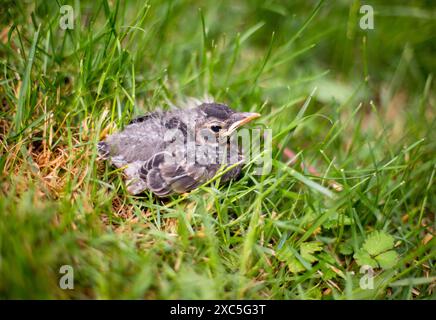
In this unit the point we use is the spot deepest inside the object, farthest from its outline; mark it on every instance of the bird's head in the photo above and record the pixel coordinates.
(221, 121)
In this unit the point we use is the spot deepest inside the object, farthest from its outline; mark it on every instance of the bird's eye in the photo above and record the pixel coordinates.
(215, 128)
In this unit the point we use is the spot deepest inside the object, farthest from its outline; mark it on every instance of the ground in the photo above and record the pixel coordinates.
(347, 211)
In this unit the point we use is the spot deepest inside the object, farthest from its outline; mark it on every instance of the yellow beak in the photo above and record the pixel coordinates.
(246, 117)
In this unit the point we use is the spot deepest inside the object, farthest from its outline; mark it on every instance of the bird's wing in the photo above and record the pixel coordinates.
(134, 182)
(164, 176)
(131, 148)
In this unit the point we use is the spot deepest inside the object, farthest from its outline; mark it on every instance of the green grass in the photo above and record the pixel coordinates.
(358, 106)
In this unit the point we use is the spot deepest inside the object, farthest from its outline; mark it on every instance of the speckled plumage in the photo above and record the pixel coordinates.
(155, 159)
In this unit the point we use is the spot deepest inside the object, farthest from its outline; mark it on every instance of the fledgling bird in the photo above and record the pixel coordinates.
(176, 151)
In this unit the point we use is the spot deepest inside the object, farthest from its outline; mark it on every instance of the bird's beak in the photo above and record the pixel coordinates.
(242, 118)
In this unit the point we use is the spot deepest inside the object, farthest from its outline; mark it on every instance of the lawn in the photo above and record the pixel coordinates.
(346, 212)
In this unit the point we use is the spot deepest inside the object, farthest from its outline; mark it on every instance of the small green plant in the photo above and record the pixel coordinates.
(377, 251)
(302, 261)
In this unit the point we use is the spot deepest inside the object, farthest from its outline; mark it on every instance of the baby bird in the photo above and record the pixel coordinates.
(178, 150)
